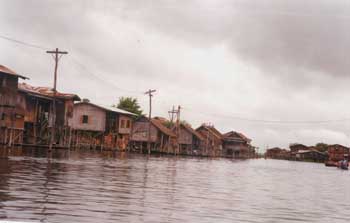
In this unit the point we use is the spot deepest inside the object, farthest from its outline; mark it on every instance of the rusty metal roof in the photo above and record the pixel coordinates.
(8, 71)
(46, 91)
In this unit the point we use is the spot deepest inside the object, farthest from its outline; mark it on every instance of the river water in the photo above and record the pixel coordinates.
(94, 186)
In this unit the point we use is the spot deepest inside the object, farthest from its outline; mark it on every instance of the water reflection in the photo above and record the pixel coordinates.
(95, 186)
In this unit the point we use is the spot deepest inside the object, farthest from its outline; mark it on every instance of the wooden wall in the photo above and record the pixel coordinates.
(140, 130)
(97, 118)
(185, 137)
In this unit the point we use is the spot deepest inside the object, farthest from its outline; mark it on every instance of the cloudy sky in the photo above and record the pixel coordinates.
(277, 71)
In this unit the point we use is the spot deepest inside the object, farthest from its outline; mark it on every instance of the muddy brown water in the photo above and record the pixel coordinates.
(94, 186)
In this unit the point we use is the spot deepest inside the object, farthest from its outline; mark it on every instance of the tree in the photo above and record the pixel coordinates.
(129, 104)
(322, 147)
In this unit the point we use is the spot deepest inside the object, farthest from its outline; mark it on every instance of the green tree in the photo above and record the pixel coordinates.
(129, 104)
(322, 147)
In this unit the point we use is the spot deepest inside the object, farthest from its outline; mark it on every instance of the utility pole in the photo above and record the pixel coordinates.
(171, 114)
(149, 93)
(178, 129)
(56, 57)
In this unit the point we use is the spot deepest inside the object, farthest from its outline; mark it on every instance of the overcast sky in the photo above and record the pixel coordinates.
(232, 63)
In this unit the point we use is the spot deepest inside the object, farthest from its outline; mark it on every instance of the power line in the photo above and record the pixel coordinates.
(83, 67)
(264, 121)
(24, 43)
(73, 60)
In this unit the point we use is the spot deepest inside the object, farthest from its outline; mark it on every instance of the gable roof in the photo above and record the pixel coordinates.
(107, 108)
(8, 71)
(45, 91)
(192, 131)
(212, 130)
(158, 124)
(232, 135)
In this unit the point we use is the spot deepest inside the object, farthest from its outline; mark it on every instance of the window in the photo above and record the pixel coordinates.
(128, 124)
(85, 119)
(122, 123)
(3, 116)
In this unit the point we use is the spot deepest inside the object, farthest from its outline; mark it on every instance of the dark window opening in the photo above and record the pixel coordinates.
(85, 119)
(128, 124)
(3, 116)
(122, 124)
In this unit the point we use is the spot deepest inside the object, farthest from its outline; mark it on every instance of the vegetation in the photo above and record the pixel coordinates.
(129, 104)
(321, 147)
(169, 125)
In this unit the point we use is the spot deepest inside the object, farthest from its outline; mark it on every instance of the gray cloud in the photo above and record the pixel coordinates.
(276, 60)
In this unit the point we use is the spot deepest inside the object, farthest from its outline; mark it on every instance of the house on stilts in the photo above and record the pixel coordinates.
(11, 114)
(162, 139)
(190, 141)
(213, 140)
(100, 126)
(38, 117)
(237, 145)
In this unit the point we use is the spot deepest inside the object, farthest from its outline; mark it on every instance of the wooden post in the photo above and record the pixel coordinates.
(149, 93)
(53, 127)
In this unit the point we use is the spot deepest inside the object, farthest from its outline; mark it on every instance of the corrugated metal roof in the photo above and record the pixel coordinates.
(45, 91)
(7, 70)
(109, 108)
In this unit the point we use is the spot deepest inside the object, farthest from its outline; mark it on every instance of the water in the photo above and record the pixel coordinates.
(89, 186)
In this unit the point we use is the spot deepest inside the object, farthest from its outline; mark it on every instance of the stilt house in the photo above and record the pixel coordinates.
(236, 145)
(190, 141)
(162, 139)
(213, 140)
(38, 119)
(101, 126)
(11, 115)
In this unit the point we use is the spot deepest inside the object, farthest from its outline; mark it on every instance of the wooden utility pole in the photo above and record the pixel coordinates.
(149, 93)
(56, 57)
(171, 114)
(178, 129)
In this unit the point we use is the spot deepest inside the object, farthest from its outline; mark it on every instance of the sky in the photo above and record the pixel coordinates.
(277, 71)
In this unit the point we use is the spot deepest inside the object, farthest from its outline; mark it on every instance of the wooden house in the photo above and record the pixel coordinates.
(38, 118)
(236, 145)
(213, 140)
(162, 139)
(100, 126)
(295, 148)
(11, 116)
(190, 141)
(337, 152)
(273, 153)
(311, 155)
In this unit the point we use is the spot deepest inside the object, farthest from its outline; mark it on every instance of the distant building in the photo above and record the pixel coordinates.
(275, 153)
(213, 140)
(311, 155)
(162, 139)
(295, 147)
(190, 141)
(11, 115)
(100, 126)
(237, 145)
(337, 152)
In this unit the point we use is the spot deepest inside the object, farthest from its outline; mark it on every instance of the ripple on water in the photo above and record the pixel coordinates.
(90, 186)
